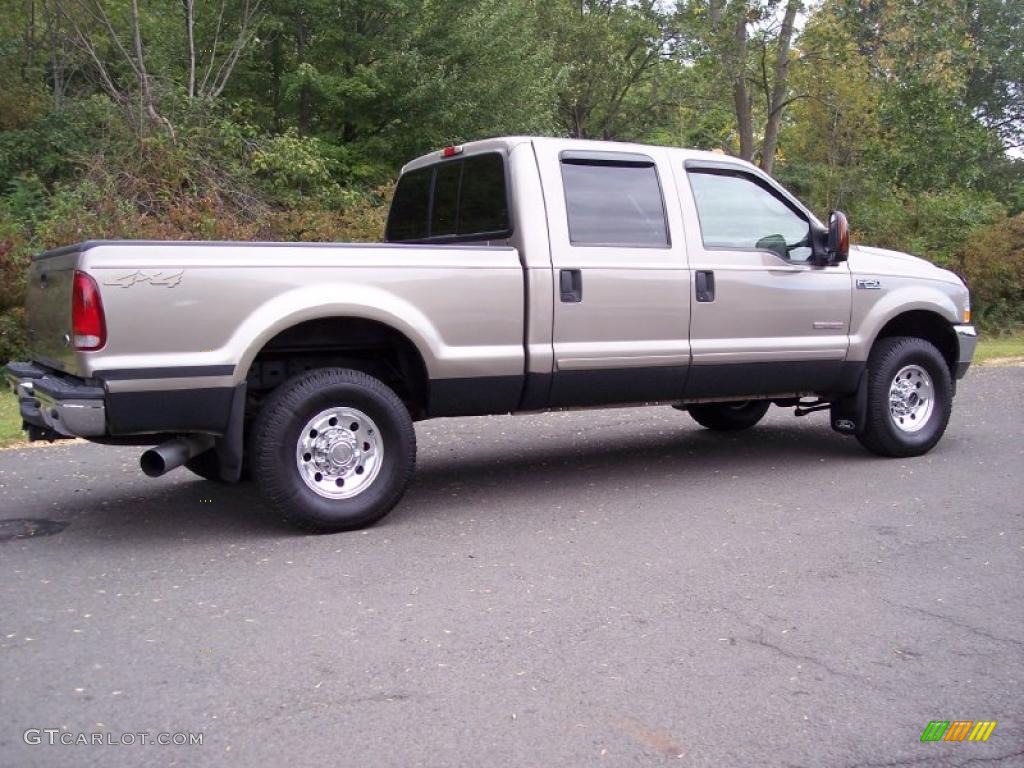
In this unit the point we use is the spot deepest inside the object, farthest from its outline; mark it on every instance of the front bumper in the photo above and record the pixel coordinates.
(55, 403)
(967, 339)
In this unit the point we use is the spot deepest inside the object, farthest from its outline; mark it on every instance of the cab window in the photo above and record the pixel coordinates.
(738, 212)
(452, 201)
(613, 200)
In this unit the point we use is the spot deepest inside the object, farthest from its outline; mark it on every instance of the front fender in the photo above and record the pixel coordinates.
(871, 311)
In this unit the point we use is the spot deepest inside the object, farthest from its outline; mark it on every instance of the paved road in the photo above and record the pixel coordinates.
(599, 588)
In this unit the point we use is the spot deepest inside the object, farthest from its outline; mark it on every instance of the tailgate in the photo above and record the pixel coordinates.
(48, 308)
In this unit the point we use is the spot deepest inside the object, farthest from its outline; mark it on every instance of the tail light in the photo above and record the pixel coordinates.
(88, 325)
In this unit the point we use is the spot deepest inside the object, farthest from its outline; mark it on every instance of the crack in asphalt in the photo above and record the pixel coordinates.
(797, 656)
(955, 623)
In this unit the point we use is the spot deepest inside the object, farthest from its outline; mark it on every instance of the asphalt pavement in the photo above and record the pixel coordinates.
(592, 588)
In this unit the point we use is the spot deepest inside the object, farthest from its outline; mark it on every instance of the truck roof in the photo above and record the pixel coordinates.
(506, 143)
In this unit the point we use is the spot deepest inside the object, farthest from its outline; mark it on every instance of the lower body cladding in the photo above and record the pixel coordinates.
(56, 406)
(628, 386)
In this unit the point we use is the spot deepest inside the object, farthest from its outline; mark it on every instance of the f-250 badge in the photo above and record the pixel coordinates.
(168, 279)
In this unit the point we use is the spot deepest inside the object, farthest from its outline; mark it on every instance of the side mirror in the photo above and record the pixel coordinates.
(838, 237)
(775, 243)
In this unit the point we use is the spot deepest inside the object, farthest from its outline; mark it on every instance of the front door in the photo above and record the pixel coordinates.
(621, 304)
(765, 319)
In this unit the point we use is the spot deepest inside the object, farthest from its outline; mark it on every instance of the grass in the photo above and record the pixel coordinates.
(10, 420)
(992, 348)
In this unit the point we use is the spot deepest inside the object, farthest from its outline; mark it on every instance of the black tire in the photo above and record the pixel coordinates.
(729, 417)
(277, 431)
(888, 357)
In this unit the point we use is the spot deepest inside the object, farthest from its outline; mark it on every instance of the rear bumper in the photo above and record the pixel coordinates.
(967, 339)
(53, 403)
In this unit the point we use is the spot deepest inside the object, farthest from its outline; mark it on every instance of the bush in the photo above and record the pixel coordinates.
(992, 262)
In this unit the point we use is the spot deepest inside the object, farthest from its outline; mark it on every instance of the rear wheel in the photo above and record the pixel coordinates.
(729, 417)
(910, 397)
(333, 449)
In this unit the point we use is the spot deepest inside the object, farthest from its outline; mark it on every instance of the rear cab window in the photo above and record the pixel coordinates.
(459, 200)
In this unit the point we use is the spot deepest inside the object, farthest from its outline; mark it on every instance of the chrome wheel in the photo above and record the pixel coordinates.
(339, 453)
(911, 398)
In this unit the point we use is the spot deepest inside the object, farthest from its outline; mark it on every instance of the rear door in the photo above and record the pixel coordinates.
(765, 318)
(621, 283)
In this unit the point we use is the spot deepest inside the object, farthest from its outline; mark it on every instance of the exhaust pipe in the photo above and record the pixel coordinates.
(163, 458)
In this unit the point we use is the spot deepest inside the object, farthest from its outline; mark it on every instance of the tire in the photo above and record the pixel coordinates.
(333, 450)
(912, 423)
(729, 417)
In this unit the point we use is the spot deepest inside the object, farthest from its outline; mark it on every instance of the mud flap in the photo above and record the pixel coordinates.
(849, 415)
(229, 448)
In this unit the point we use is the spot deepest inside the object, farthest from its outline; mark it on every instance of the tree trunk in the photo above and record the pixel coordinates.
(146, 103)
(30, 39)
(189, 6)
(304, 97)
(740, 94)
(777, 102)
(715, 10)
(50, 19)
(276, 70)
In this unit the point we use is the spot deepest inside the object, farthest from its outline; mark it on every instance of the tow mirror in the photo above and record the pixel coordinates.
(838, 237)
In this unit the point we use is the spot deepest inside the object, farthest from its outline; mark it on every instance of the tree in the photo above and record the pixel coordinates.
(747, 45)
(610, 54)
(111, 36)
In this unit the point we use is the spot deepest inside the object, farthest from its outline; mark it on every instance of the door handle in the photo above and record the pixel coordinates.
(570, 283)
(705, 285)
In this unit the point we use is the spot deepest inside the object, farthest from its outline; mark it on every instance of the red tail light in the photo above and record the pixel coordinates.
(88, 326)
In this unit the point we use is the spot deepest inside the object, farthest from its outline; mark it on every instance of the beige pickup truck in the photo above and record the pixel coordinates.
(518, 274)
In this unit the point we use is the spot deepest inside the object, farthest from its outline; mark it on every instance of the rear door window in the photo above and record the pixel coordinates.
(456, 200)
(612, 201)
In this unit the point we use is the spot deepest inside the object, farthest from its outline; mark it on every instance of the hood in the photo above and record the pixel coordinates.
(865, 260)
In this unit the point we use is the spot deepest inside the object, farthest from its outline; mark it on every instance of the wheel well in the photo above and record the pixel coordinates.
(928, 326)
(346, 342)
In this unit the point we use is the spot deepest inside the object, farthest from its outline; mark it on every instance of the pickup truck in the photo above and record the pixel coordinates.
(517, 275)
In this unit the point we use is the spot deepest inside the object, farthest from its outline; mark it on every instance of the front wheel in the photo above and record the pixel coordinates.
(333, 449)
(729, 417)
(910, 397)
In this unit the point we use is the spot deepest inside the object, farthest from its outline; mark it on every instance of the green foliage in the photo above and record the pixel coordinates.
(934, 225)
(992, 261)
(294, 164)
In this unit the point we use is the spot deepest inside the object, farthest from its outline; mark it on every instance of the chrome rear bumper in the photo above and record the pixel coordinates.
(55, 403)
